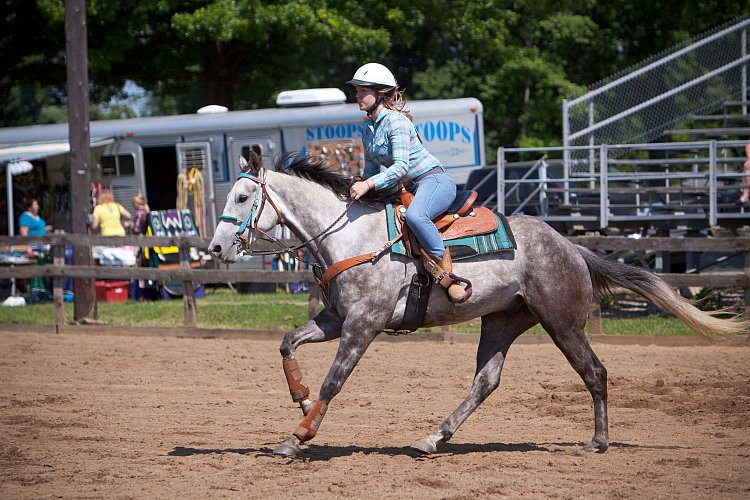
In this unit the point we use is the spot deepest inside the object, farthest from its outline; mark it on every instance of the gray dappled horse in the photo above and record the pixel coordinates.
(546, 280)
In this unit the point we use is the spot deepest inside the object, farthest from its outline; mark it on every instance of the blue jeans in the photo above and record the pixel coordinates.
(433, 195)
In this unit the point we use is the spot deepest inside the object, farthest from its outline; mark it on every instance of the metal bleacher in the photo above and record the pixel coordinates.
(639, 155)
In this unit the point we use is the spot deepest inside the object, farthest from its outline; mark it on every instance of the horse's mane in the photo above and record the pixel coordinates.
(319, 171)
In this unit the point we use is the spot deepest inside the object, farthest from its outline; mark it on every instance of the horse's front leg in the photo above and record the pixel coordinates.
(324, 327)
(355, 339)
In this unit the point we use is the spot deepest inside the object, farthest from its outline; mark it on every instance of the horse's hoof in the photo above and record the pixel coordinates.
(424, 446)
(287, 449)
(595, 447)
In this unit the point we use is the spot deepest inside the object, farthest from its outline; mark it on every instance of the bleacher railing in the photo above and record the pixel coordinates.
(688, 183)
(651, 97)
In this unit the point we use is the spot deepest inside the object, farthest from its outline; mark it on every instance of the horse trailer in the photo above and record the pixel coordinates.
(151, 154)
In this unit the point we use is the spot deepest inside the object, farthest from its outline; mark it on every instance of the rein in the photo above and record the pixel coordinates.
(251, 220)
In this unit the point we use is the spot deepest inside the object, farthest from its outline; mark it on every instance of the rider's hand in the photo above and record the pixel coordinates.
(359, 189)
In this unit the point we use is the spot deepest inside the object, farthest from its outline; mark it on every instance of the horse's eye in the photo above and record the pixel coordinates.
(242, 198)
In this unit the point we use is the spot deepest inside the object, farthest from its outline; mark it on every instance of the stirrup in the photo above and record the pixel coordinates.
(441, 272)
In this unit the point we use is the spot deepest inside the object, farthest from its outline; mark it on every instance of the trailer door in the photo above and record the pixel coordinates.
(196, 156)
(121, 165)
(242, 146)
(263, 146)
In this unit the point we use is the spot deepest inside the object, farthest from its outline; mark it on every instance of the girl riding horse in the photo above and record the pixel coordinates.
(394, 154)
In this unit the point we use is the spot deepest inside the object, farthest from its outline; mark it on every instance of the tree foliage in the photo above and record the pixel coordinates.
(519, 57)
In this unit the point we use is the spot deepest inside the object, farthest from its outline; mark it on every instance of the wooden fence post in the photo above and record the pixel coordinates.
(58, 256)
(445, 332)
(313, 306)
(188, 291)
(747, 292)
(77, 67)
(595, 319)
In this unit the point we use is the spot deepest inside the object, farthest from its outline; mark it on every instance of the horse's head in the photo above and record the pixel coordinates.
(244, 216)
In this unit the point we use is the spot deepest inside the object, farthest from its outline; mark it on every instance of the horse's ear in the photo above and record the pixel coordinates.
(244, 165)
(255, 163)
(253, 166)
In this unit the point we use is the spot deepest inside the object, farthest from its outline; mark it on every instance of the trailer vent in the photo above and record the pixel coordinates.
(193, 155)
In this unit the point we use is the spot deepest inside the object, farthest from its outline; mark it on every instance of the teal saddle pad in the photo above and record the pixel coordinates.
(461, 248)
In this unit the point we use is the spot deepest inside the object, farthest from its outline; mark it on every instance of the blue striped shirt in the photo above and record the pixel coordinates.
(393, 150)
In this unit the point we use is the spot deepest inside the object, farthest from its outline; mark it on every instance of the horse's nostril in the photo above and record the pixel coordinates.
(216, 249)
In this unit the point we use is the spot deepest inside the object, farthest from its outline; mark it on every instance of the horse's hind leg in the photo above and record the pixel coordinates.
(574, 345)
(324, 327)
(499, 330)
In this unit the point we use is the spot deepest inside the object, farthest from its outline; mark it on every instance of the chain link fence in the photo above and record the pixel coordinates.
(641, 103)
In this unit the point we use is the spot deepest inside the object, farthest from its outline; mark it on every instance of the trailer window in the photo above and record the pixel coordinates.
(125, 165)
(119, 165)
(109, 165)
(254, 147)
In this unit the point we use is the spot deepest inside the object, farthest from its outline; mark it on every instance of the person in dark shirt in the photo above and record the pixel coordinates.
(141, 214)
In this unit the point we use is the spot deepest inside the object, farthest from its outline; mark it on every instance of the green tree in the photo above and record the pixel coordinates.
(514, 63)
(519, 57)
(249, 50)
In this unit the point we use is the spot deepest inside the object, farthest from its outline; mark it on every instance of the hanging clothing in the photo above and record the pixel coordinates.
(190, 186)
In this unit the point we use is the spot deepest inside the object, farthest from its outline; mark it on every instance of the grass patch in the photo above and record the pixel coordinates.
(653, 324)
(278, 311)
(220, 309)
(643, 325)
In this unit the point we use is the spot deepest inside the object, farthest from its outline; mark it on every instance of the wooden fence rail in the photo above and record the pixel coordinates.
(59, 270)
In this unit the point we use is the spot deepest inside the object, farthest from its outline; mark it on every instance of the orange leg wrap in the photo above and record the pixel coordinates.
(294, 380)
(310, 424)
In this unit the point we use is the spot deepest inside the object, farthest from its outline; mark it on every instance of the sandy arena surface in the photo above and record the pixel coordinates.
(118, 416)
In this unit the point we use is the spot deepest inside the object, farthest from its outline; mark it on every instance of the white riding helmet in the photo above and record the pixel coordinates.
(373, 75)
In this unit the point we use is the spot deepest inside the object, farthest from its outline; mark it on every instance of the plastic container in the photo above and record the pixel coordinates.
(112, 291)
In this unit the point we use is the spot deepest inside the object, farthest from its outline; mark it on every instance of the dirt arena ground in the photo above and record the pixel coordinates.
(118, 416)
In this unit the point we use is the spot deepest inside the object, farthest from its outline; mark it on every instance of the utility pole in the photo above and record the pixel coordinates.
(76, 48)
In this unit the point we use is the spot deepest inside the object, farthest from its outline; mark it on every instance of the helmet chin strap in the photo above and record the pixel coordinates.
(378, 102)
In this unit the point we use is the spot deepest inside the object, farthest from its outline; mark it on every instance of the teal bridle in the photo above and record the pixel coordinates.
(253, 215)
(251, 219)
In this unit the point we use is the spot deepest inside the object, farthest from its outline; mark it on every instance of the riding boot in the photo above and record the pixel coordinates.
(456, 292)
(440, 269)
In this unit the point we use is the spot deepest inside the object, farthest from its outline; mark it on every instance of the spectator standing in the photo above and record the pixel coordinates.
(30, 223)
(140, 220)
(107, 215)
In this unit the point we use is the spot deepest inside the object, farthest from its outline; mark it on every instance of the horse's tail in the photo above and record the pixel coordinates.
(605, 273)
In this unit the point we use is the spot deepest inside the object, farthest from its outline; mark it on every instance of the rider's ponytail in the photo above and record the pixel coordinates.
(393, 99)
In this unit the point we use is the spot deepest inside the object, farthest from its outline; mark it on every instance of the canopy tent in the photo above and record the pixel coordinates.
(17, 158)
(39, 150)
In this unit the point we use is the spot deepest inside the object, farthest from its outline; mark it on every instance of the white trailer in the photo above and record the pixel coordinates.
(147, 154)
